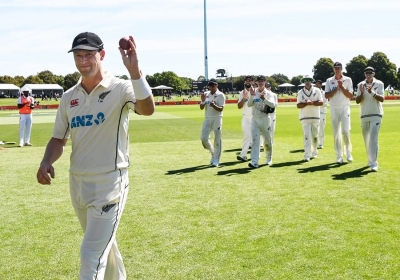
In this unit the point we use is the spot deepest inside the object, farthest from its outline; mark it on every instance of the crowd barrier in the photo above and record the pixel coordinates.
(183, 102)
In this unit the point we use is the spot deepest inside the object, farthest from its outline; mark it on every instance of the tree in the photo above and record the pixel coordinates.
(151, 80)
(273, 82)
(201, 78)
(169, 78)
(70, 80)
(355, 69)
(33, 79)
(280, 79)
(6, 80)
(296, 80)
(19, 81)
(187, 83)
(47, 77)
(323, 69)
(384, 69)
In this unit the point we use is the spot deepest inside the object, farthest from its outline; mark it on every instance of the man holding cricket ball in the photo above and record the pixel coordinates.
(95, 115)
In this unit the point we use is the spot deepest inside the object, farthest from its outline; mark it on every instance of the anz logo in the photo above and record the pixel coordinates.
(87, 120)
(257, 99)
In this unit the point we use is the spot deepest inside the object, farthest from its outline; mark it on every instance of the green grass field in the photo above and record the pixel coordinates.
(187, 220)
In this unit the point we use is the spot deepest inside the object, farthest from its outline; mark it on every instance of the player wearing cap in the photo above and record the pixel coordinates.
(322, 116)
(370, 95)
(263, 103)
(95, 115)
(339, 91)
(309, 99)
(213, 102)
(26, 104)
(246, 117)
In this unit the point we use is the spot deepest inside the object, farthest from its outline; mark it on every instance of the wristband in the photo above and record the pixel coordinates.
(141, 88)
(202, 103)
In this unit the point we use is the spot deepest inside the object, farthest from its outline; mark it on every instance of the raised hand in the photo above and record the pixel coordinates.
(130, 59)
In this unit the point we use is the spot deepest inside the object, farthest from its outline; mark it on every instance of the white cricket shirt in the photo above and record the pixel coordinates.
(246, 110)
(219, 100)
(97, 124)
(258, 104)
(369, 106)
(309, 113)
(339, 99)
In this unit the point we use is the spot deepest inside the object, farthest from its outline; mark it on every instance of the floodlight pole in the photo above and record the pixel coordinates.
(205, 44)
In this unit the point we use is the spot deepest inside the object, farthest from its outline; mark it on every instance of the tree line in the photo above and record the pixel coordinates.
(323, 69)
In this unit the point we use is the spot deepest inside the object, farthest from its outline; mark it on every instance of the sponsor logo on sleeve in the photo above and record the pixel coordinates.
(74, 103)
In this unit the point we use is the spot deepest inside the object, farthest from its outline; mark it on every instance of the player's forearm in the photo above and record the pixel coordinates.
(54, 150)
(146, 106)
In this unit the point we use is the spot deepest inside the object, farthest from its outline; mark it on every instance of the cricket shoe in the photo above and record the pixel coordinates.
(253, 165)
(349, 158)
(269, 161)
(244, 159)
(306, 159)
(314, 154)
(27, 144)
(320, 146)
(374, 168)
(339, 160)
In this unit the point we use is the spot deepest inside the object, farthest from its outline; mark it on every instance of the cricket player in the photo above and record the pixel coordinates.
(213, 102)
(246, 118)
(26, 104)
(322, 116)
(94, 114)
(273, 114)
(263, 103)
(309, 99)
(339, 91)
(370, 95)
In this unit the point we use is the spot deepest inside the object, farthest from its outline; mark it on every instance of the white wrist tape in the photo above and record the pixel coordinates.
(141, 88)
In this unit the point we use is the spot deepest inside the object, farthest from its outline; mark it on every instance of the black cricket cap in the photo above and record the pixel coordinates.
(337, 64)
(87, 41)
(260, 78)
(212, 82)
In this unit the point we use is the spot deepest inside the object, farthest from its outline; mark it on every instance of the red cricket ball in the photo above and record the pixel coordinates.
(124, 43)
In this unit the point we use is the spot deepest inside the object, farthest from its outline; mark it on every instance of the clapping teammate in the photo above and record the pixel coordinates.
(370, 95)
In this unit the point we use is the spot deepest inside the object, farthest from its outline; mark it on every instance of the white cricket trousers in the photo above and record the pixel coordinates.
(246, 128)
(215, 125)
(321, 129)
(310, 133)
(370, 131)
(261, 126)
(340, 117)
(99, 202)
(25, 128)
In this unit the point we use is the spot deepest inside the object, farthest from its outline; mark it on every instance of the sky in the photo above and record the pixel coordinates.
(258, 37)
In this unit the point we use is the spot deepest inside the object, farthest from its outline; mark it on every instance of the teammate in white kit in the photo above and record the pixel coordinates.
(246, 118)
(95, 115)
(25, 106)
(370, 95)
(322, 116)
(309, 99)
(263, 103)
(273, 114)
(339, 91)
(213, 102)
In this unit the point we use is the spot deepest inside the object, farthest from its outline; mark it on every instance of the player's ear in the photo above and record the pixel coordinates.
(102, 54)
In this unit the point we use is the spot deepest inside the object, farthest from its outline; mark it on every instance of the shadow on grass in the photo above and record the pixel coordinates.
(322, 167)
(233, 150)
(357, 173)
(288, 163)
(296, 151)
(188, 170)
